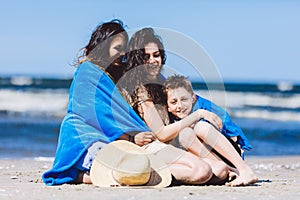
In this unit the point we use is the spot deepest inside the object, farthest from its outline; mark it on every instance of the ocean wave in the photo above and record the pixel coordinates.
(53, 103)
(256, 105)
(43, 159)
(21, 80)
(242, 99)
(27, 82)
(285, 86)
(264, 114)
(36, 102)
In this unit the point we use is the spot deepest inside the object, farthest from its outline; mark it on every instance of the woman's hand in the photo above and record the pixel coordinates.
(143, 138)
(214, 119)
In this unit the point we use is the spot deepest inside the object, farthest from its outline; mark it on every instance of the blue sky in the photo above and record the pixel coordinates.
(254, 40)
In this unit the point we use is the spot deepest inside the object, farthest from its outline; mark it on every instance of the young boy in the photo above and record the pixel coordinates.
(181, 98)
(201, 137)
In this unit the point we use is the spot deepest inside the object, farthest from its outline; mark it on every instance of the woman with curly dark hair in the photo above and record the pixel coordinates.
(144, 75)
(143, 88)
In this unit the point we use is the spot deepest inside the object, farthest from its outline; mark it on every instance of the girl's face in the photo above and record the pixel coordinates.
(153, 59)
(180, 102)
(117, 49)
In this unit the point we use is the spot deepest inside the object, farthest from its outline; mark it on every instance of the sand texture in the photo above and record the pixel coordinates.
(279, 178)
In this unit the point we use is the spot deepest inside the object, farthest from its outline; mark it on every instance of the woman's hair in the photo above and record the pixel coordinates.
(136, 59)
(138, 88)
(136, 48)
(97, 49)
(178, 81)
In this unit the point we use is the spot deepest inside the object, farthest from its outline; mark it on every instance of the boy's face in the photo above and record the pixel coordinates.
(180, 102)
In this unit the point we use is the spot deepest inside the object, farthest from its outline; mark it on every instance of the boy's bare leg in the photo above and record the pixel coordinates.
(219, 142)
(189, 140)
(192, 143)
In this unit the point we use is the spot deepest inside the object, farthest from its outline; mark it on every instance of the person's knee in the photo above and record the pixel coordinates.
(186, 137)
(192, 170)
(204, 174)
(221, 170)
(201, 173)
(202, 129)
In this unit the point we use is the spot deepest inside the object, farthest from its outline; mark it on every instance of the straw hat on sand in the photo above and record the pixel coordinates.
(122, 163)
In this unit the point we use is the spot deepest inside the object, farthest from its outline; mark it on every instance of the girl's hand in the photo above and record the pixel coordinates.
(143, 138)
(214, 119)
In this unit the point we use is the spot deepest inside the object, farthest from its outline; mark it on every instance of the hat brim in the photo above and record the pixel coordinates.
(107, 158)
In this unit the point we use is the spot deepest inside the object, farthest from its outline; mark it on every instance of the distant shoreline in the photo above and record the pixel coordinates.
(193, 79)
(23, 81)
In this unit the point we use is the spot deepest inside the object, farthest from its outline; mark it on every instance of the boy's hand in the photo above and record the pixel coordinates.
(214, 119)
(143, 138)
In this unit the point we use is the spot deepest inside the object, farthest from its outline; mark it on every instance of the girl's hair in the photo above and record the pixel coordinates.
(178, 81)
(97, 49)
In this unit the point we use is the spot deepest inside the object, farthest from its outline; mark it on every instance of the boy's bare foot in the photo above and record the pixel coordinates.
(245, 177)
(232, 175)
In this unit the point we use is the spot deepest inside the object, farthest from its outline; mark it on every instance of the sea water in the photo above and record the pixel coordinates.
(31, 111)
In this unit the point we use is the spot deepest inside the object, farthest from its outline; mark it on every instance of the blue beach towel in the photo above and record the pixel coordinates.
(96, 112)
(229, 128)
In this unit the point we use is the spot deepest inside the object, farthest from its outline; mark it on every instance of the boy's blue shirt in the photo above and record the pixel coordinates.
(230, 129)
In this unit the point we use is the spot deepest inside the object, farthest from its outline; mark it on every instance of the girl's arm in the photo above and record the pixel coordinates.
(167, 133)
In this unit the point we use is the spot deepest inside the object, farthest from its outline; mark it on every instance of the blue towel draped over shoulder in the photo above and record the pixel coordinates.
(96, 112)
(229, 128)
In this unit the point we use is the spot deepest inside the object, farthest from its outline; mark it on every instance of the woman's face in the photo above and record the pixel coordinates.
(153, 59)
(117, 49)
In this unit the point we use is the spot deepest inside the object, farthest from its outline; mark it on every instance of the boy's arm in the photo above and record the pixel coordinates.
(230, 129)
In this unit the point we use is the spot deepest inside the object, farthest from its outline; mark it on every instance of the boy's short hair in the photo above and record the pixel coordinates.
(177, 81)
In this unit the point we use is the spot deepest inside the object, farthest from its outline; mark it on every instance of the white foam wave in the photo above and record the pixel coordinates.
(239, 104)
(21, 80)
(264, 114)
(257, 105)
(242, 99)
(43, 159)
(285, 86)
(51, 102)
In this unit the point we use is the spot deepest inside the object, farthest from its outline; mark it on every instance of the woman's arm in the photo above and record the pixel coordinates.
(139, 138)
(166, 133)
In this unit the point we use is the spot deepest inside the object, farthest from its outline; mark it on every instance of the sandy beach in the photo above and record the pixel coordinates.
(279, 178)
